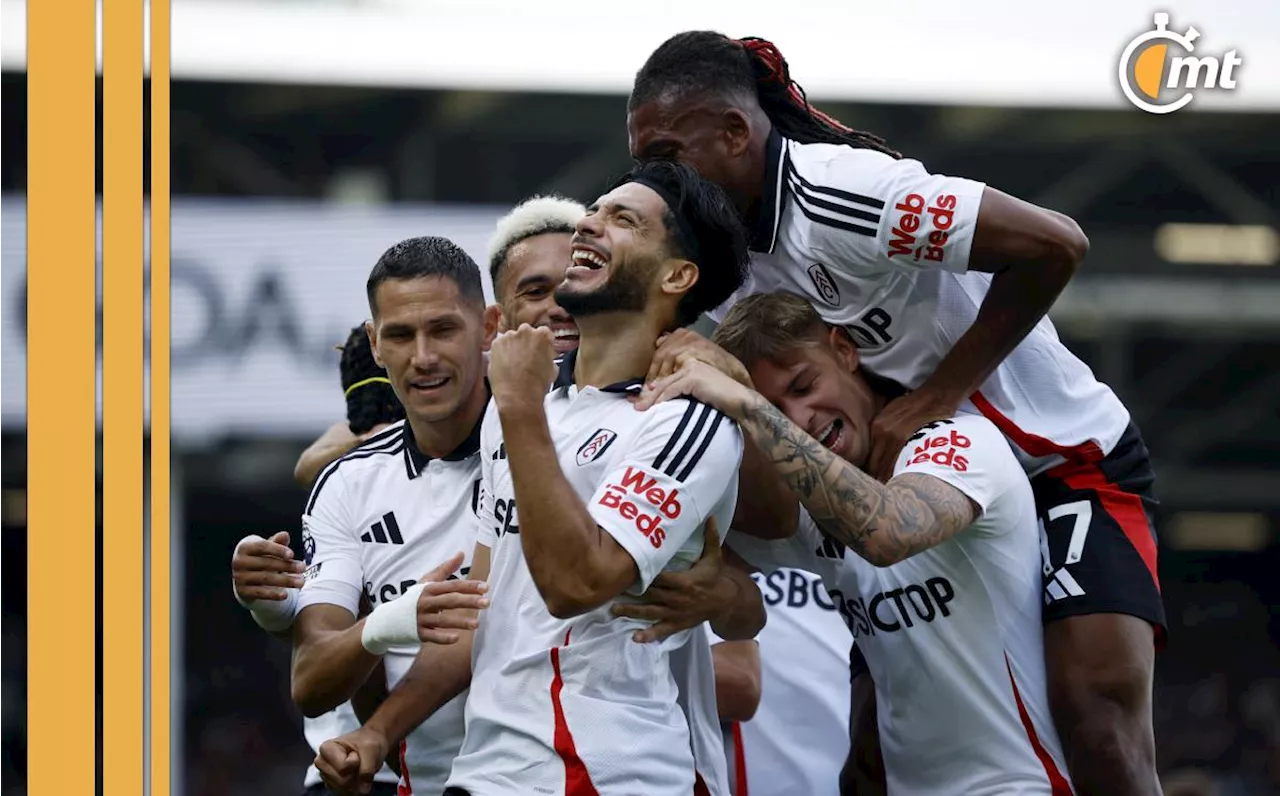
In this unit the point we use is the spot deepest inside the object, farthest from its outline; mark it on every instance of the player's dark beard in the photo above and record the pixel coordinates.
(624, 291)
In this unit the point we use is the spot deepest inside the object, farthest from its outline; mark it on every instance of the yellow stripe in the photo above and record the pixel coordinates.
(363, 382)
(160, 548)
(122, 390)
(61, 422)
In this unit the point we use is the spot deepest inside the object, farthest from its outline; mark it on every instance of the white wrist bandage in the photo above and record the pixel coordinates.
(275, 615)
(271, 615)
(393, 624)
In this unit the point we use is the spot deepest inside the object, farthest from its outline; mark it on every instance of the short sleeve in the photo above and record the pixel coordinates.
(681, 468)
(966, 451)
(331, 550)
(879, 213)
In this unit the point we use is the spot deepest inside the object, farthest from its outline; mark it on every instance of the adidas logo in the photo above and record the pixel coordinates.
(1061, 587)
(501, 452)
(386, 531)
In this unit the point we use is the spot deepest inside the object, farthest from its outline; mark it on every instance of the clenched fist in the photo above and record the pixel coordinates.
(522, 365)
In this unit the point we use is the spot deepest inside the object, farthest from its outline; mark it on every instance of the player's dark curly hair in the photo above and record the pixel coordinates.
(703, 226)
(370, 399)
(706, 62)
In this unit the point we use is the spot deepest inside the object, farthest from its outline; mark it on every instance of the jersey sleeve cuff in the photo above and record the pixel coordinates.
(330, 591)
(635, 543)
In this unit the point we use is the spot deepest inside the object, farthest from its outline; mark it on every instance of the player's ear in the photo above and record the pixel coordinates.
(845, 351)
(493, 324)
(737, 131)
(681, 278)
(371, 332)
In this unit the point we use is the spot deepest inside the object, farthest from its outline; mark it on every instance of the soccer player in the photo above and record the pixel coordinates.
(404, 502)
(944, 284)
(527, 255)
(562, 698)
(943, 594)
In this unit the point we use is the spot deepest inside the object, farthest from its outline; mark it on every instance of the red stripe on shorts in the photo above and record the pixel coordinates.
(1124, 507)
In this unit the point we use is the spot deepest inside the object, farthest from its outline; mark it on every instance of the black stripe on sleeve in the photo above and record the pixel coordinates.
(675, 437)
(693, 437)
(706, 442)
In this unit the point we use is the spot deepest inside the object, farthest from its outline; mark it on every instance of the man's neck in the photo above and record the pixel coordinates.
(442, 437)
(614, 348)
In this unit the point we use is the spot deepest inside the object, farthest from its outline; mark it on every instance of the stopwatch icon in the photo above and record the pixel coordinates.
(1154, 71)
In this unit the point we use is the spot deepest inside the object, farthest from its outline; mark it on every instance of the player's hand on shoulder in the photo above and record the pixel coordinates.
(682, 345)
(348, 763)
(262, 569)
(522, 365)
(699, 380)
(897, 421)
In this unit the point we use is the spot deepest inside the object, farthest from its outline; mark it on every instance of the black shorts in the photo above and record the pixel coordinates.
(379, 789)
(1099, 533)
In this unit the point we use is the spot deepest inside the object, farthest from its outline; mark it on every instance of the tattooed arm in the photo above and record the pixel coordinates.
(883, 523)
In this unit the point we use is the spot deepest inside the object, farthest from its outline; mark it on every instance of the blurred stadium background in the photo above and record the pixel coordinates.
(298, 155)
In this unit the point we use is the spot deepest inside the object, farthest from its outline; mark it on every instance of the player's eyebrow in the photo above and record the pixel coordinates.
(614, 208)
(531, 280)
(791, 385)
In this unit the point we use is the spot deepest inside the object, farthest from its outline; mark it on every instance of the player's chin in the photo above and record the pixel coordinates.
(433, 405)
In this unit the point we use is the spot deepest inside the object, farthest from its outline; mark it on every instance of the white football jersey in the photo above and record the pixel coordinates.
(379, 518)
(881, 248)
(570, 706)
(952, 635)
(798, 739)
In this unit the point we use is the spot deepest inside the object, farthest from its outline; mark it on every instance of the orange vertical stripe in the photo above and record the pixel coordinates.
(122, 393)
(160, 549)
(61, 416)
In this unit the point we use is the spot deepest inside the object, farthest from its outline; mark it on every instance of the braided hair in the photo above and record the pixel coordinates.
(700, 61)
(370, 399)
